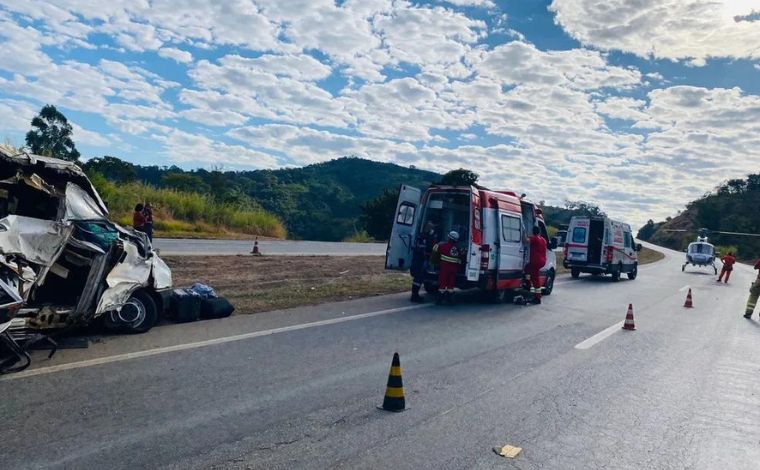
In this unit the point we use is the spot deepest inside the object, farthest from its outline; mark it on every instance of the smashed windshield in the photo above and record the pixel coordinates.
(80, 205)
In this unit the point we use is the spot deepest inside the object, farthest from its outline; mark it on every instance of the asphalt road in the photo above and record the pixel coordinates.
(178, 246)
(299, 389)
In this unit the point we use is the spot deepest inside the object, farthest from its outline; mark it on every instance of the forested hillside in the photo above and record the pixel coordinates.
(326, 201)
(733, 207)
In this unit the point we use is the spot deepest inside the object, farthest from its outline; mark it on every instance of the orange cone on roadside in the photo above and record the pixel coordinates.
(688, 303)
(628, 325)
(255, 250)
(394, 391)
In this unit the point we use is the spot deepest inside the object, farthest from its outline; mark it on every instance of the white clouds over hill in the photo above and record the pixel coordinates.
(266, 83)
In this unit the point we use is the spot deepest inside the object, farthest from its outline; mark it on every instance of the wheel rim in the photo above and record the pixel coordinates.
(549, 283)
(133, 312)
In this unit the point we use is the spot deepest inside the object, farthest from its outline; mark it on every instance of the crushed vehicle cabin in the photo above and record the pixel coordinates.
(61, 259)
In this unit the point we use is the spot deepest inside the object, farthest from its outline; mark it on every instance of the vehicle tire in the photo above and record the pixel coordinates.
(634, 272)
(575, 273)
(715, 269)
(549, 283)
(683, 268)
(139, 314)
(616, 273)
(431, 288)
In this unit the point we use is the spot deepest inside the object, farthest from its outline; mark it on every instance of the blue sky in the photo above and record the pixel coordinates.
(656, 100)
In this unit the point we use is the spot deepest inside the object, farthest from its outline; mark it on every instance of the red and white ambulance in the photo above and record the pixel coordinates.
(600, 245)
(492, 226)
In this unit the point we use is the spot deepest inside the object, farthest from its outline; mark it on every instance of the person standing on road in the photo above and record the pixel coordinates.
(148, 213)
(422, 251)
(450, 260)
(754, 293)
(537, 245)
(728, 265)
(138, 218)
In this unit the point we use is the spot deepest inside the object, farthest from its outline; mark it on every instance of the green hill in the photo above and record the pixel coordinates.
(733, 207)
(317, 202)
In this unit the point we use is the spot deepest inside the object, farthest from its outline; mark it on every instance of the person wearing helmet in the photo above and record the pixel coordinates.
(450, 260)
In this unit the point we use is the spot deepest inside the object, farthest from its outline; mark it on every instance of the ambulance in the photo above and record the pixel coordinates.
(600, 245)
(492, 226)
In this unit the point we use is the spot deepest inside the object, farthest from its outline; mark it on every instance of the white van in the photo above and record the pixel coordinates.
(600, 245)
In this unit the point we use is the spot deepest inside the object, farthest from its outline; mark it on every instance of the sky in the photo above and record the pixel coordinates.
(638, 106)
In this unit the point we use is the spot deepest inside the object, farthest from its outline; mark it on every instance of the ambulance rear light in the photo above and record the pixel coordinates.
(485, 251)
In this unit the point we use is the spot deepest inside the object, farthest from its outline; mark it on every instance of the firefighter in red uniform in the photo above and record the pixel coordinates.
(754, 293)
(537, 245)
(728, 266)
(448, 255)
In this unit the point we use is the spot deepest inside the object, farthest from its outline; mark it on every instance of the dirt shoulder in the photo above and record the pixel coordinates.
(260, 284)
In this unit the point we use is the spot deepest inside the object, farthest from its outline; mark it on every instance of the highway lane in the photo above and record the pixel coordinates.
(180, 246)
(679, 392)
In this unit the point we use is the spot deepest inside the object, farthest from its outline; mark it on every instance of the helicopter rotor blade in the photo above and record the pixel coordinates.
(743, 234)
(677, 230)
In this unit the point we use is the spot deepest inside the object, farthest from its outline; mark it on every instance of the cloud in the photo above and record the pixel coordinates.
(175, 54)
(693, 30)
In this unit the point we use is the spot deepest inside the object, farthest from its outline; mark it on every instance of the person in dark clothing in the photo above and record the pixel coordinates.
(422, 250)
(138, 218)
(148, 213)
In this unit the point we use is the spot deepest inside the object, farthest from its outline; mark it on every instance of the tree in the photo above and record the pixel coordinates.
(51, 135)
(183, 182)
(113, 168)
(460, 177)
(377, 214)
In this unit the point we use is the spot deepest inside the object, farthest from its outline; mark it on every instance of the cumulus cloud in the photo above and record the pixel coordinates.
(175, 54)
(694, 30)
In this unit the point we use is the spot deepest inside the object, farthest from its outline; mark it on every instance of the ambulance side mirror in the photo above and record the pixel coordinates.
(553, 243)
(639, 247)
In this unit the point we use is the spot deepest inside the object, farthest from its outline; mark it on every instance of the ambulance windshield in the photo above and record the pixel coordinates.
(449, 211)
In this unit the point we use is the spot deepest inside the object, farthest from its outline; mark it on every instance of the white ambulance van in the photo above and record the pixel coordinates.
(600, 245)
(492, 226)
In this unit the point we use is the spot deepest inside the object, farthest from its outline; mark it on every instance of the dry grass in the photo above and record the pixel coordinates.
(258, 284)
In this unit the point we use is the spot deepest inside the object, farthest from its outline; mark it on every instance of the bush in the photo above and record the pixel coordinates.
(179, 211)
(360, 237)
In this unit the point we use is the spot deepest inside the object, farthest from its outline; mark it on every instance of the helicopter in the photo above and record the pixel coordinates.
(701, 253)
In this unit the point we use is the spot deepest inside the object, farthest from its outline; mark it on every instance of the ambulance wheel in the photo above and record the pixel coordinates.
(575, 272)
(431, 288)
(137, 315)
(616, 273)
(634, 272)
(549, 283)
(683, 268)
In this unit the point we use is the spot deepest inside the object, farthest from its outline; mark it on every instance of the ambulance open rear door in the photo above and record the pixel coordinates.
(399, 253)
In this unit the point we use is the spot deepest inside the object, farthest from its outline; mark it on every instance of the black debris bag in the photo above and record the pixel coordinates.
(185, 306)
(218, 307)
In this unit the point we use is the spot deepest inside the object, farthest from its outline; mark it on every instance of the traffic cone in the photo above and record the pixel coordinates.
(394, 392)
(255, 250)
(688, 303)
(628, 325)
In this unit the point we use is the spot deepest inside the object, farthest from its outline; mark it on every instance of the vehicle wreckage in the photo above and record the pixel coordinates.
(62, 262)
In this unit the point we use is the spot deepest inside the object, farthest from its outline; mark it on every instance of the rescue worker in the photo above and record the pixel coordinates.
(728, 265)
(422, 251)
(148, 214)
(754, 293)
(537, 245)
(448, 255)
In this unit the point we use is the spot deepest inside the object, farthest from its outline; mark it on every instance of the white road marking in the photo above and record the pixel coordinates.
(199, 344)
(684, 288)
(602, 335)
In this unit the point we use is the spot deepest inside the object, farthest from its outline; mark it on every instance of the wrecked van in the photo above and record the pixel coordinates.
(63, 259)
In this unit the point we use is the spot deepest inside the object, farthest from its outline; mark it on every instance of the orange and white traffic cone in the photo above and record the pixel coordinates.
(255, 250)
(628, 325)
(688, 303)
